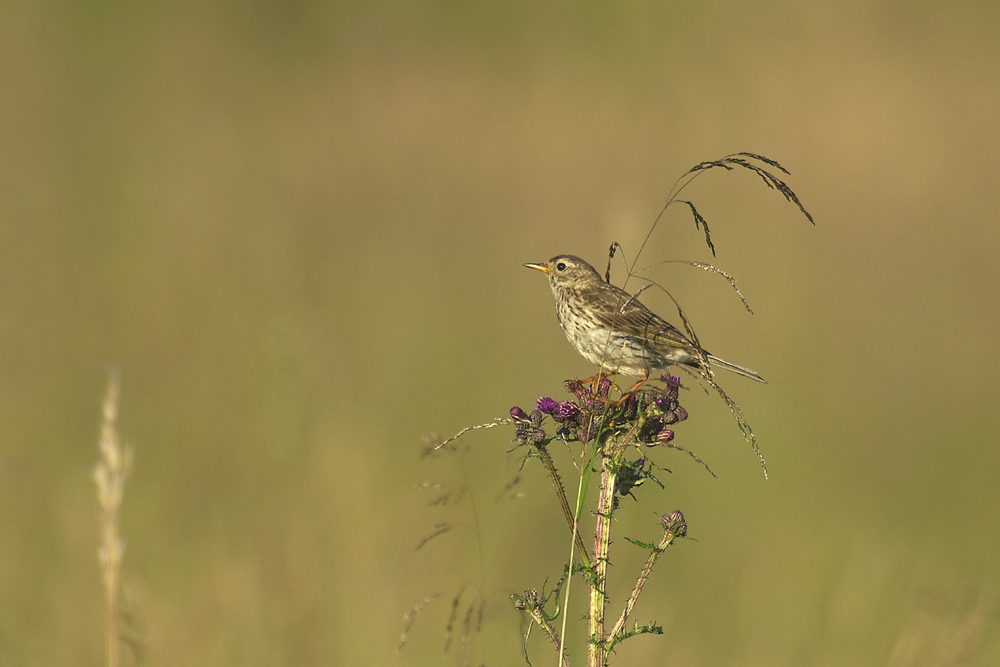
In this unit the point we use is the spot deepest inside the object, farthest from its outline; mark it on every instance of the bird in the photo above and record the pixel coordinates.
(614, 330)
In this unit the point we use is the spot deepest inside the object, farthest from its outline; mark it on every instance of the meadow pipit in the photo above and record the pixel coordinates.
(613, 330)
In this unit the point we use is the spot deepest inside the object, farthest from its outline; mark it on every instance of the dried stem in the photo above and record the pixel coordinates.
(410, 617)
(673, 527)
(498, 422)
(550, 468)
(109, 476)
(533, 603)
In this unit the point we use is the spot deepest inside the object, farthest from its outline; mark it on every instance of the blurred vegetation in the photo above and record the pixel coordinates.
(298, 228)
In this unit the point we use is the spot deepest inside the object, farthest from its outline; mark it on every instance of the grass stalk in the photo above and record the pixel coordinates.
(109, 476)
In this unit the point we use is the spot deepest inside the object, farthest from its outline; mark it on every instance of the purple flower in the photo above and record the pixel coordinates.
(664, 403)
(528, 429)
(566, 411)
(678, 414)
(604, 387)
(672, 382)
(631, 407)
(578, 388)
(648, 412)
(666, 400)
(665, 435)
(548, 405)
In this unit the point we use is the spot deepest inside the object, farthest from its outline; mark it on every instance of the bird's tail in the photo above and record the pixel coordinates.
(739, 370)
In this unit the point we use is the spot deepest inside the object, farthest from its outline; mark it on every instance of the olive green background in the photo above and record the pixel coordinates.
(298, 228)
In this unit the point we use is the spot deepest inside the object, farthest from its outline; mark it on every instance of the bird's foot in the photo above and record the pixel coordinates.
(595, 385)
(631, 392)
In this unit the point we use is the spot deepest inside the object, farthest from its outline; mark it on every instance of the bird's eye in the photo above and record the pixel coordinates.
(561, 266)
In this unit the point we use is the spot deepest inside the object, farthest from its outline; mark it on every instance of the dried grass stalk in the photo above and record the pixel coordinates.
(109, 476)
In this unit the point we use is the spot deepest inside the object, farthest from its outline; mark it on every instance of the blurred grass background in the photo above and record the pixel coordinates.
(298, 229)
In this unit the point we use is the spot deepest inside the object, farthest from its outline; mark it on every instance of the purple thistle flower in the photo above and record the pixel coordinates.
(566, 411)
(665, 403)
(672, 382)
(665, 435)
(631, 407)
(548, 405)
(577, 387)
(604, 387)
(528, 428)
(648, 411)
(678, 414)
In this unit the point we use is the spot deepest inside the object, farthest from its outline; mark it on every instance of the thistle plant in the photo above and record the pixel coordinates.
(613, 433)
(614, 439)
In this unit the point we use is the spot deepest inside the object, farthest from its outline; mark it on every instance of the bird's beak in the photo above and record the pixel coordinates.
(540, 267)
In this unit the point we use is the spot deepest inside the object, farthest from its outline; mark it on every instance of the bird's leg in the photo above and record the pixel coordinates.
(630, 392)
(595, 383)
(595, 379)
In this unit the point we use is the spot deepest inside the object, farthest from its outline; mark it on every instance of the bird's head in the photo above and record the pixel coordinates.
(565, 270)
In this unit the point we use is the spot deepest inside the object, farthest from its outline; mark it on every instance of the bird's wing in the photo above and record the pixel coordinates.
(627, 314)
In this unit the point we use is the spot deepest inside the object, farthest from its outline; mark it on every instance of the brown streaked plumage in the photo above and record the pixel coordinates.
(613, 330)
